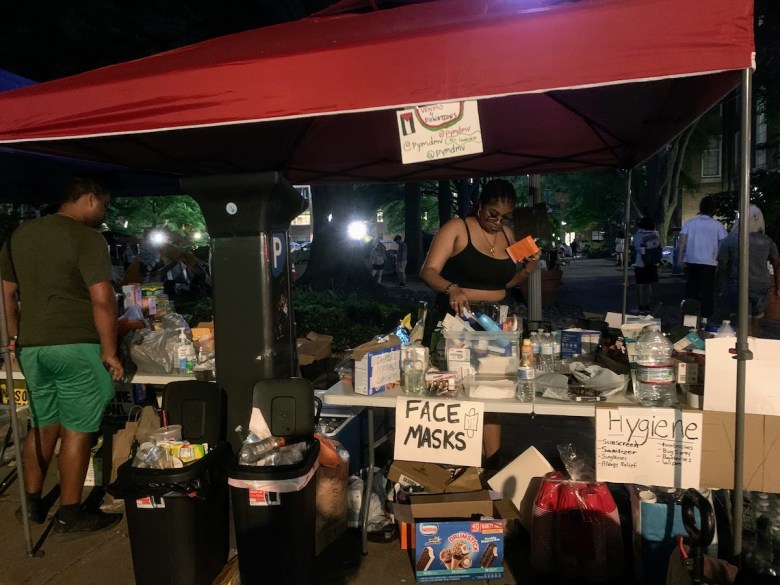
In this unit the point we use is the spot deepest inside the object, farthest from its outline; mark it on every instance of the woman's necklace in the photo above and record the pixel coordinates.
(493, 245)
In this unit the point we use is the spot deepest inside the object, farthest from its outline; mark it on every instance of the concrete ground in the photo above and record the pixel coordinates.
(104, 558)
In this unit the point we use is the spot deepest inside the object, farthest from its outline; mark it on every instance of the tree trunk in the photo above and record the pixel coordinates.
(445, 202)
(669, 186)
(468, 191)
(413, 226)
(335, 261)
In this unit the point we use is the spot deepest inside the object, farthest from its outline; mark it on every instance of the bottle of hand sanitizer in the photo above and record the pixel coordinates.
(185, 352)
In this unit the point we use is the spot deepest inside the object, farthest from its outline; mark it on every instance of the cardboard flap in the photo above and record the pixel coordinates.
(385, 342)
(433, 477)
(315, 346)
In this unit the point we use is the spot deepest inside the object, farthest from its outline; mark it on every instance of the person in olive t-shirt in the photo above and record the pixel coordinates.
(61, 317)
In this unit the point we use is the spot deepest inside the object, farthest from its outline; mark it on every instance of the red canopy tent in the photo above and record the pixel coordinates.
(562, 86)
(571, 86)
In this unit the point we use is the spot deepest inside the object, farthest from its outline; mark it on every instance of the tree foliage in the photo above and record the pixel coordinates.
(179, 214)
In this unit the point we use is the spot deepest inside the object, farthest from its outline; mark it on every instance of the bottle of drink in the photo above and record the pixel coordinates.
(547, 360)
(726, 330)
(656, 384)
(534, 337)
(413, 373)
(252, 452)
(526, 373)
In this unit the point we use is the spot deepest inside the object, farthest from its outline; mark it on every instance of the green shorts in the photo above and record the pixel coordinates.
(66, 384)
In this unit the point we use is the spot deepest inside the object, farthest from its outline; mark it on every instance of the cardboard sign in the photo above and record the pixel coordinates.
(439, 131)
(439, 431)
(650, 446)
(720, 380)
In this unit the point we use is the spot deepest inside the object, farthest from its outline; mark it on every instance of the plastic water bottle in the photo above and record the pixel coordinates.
(547, 363)
(526, 387)
(656, 384)
(252, 452)
(535, 344)
(726, 330)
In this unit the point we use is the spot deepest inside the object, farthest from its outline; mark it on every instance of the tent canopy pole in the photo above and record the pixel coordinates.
(743, 351)
(626, 244)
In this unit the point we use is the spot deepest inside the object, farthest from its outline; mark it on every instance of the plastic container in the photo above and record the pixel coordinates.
(655, 380)
(178, 519)
(169, 433)
(465, 346)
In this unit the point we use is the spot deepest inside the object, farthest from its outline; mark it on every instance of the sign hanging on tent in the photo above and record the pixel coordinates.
(437, 131)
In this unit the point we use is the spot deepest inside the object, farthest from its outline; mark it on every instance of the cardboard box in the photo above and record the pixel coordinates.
(686, 372)
(450, 543)
(433, 477)
(577, 342)
(313, 347)
(762, 452)
(377, 364)
(520, 480)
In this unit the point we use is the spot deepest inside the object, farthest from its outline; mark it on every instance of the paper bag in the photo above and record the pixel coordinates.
(148, 422)
(121, 446)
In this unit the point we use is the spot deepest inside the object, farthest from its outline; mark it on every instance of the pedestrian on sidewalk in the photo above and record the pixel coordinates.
(762, 250)
(699, 241)
(400, 260)
(65, 338)
(645, 266)
(620, 244)
(377, 258)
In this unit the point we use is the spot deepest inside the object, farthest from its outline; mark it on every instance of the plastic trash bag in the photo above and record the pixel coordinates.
(154, 352)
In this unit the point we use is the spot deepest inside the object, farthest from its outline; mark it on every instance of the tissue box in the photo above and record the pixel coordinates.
(377, 364)
(577, 342)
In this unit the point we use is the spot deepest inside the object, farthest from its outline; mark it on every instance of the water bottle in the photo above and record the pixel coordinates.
(547, 363)
(535, 344)
(252, 452)
(413, 373)
(656, 384)
(726, 330)
(526, 387)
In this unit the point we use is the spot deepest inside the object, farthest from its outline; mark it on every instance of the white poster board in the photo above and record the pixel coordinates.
(438, 431)
(438, 131)
(649, 446)
(762, 393)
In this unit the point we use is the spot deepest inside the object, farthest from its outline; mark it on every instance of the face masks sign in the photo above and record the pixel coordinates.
(439, 431)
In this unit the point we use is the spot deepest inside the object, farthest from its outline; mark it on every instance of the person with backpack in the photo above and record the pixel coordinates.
(649, 251)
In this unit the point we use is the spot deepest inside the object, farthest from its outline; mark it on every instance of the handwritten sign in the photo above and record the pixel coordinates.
(651, 446)
(438, 431)
(439, 131)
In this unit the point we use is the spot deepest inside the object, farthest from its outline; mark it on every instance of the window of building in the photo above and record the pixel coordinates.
(380, 216)
(710, 159)
(760, 140)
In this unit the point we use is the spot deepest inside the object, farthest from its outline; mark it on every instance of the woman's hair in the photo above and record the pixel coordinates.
(646, 223)
(497, 190)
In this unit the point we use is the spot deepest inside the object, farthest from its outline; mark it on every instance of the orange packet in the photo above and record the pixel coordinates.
(522, 249)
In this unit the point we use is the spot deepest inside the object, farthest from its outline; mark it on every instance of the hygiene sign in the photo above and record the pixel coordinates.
(439, 131)
(649, 446)
(438, 431)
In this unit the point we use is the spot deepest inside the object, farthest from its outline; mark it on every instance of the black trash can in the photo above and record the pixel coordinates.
(274, 507)
(178, 519)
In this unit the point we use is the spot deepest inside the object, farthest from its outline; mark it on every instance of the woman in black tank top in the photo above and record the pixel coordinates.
(468, 262)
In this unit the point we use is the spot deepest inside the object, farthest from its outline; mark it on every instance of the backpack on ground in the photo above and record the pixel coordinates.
(651, 243)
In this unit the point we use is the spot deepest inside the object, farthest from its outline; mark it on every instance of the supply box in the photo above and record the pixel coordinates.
(449, 544)
(577, 342)
(482, 352)
(377, 364)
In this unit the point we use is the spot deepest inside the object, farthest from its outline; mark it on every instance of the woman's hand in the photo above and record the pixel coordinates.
(458, 300)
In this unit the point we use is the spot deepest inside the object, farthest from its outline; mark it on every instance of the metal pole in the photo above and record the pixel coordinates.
(743, 350)
(9, 384)
(626, 244)
(535, 278)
